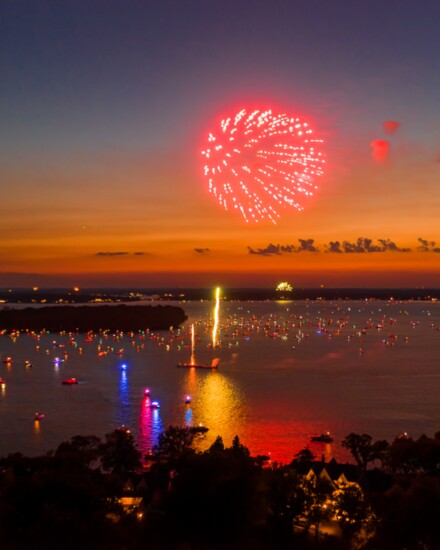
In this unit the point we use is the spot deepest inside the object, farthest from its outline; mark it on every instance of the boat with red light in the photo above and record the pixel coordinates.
(69, 381)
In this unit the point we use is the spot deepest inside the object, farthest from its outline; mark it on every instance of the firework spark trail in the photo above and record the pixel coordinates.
(260, 162)
(216, 317)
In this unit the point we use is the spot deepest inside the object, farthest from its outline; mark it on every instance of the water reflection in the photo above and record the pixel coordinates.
(149, 427)
(299, 372)
(216, 317)
(123, 407)
(220, 407)
(188, 417)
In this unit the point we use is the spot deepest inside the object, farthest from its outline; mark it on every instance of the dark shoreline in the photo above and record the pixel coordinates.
(86, 318)
(115, 295)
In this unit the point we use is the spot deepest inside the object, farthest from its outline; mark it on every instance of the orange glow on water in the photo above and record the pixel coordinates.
(219, 407)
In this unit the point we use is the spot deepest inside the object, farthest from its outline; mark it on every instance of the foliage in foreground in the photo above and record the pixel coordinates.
(222, 498)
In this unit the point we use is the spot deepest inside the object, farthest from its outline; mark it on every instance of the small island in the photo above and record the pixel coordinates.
(92, 318)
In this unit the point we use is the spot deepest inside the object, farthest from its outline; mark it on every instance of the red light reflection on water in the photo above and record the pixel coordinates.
(149, 426)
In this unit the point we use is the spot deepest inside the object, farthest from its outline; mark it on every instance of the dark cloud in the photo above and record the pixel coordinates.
(334, 246)
(427, 246)
(111, 253)
(306, 245)
(388, 244)
(366, 245)
(202, 250)
(391, 126)
(381, 148)
(362, 245)
(270, 250)
(350, 248)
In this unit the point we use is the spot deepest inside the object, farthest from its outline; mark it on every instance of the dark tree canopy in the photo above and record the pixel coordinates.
(363, 449)
(174, 443)
(118, 453)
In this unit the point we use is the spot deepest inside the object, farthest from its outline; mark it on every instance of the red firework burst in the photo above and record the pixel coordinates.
(258, 162)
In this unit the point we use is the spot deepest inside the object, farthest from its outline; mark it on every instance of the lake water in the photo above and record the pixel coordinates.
(287, 370)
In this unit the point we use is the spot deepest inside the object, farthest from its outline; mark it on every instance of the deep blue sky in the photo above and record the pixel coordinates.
(103, 73)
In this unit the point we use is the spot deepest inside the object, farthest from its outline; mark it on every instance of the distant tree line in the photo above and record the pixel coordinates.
(90, 493)
(92, 318)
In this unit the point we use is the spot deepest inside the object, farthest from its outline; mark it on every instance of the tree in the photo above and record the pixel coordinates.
(218, 446)
(352, 512)
(81, 450)
(238, 449)
(304, 456)
(287, 498)
(318, 493)
(119, 453)
(363, 449)
(174, 443)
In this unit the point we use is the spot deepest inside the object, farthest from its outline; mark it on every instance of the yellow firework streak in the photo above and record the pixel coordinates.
(216, 316)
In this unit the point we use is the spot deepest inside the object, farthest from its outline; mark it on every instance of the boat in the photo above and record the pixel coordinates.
(200, 429)
(150, 455)
(7, 360)
(155, 405)
(2, 382)
(123, 429)
(38, 416)
(322, 438)
(69, 381)
(213, 365)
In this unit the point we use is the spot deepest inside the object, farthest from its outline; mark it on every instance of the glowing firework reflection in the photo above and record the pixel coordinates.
(188, 417)
(216, 317)
(220, 407)
(193, 343)
(260, 161)
(123, 409)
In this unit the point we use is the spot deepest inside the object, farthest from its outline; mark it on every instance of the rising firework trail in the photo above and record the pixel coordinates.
(216, 317)
(258, 162)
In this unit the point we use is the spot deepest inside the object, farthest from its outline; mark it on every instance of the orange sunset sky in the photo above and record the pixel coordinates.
(101, 172)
